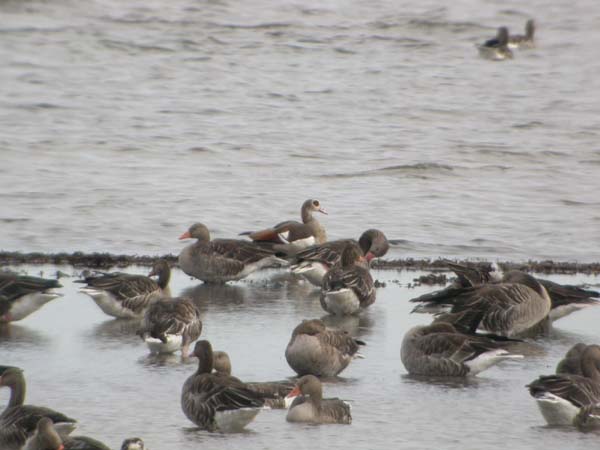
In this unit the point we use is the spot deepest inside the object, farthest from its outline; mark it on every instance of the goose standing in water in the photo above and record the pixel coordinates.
(170, 325)
(47, 438)
(523, 41)
(349, 288)
(217, 402)
(126, 296)
(21, 295)
(315, 261)
(560, 397)
(222, 260)
(313, 408)
(317, 350)
(440, 350)
(18, 421)
(496, 49)
(291, 236)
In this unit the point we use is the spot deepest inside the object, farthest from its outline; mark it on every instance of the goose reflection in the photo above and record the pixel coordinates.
(16, 335)
(355, 325)
(117, 331)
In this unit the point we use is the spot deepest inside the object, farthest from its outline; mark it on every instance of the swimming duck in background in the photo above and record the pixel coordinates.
(127, 296)
(291, 236)
(523, 41)
(222, 260)
(21, 295)
(313, 408)
(496, 49)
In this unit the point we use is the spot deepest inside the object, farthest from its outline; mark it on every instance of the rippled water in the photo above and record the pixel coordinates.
(95, 369)
(124, 122)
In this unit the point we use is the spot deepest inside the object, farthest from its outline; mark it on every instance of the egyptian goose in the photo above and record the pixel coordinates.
(560, 397)
(222, 260)
(217, 402)
(274, 391)
(291, 236)
(171, 324)
(496, 49)
(315, 261)
(18, 421)
(47, 438)
(21, 295)
(126, 296)
(523, 41)
(348, 288)
(317, 350)
(440, 350)
(313, 408)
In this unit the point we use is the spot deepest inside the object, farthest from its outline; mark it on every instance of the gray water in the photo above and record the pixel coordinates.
(121, 123)
(93, 368)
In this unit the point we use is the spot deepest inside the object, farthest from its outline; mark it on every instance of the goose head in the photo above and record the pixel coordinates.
(308, 386)
(197, 231)
(590, 362)
(221, 362)
(133, 444)
(374, 244)
(310, 206)
(46, 436)
(204, 352)
(162, 270)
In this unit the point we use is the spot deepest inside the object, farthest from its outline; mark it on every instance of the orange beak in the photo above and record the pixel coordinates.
(185, 235)
(295, 392)
(62, 447)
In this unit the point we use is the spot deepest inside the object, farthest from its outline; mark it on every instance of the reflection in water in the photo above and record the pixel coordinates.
(446, 382)
(355, 325)
(117, 331)
(19, 335)
(215, 294)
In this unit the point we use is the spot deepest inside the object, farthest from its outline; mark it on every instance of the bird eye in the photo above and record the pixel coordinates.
(316, 203)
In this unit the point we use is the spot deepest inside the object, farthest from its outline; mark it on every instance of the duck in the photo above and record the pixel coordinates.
(348, 288)
(133, 444)
(223, 260)
(170, 325)
(317, 350)
(313, 408)
(46, 437)
(571, 363)
(22, 295)
(315, 261)
(560, 397)
(217, 402)
(124, 295)
(273, 391)
(496, 49)
(440, 350)
(18, 420)
(523, 41)
(292, 236)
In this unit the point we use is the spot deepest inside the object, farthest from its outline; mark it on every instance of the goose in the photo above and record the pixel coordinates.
(274, 391)
(349, 288)
(126, 296)
(523, 41)
(313, 408)
(170, 325)
(21, 295)
(217, 402)
(18, 421)
(291, 236)
(133, 444)
(315, 261)
(317, 350)
(496, 49)
(440, 350)
(47, 438)
(560, 397)
(571, 363)
(222, 260)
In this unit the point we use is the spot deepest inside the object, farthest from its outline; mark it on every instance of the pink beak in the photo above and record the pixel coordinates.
(185, 235)
(322, 210)
(295, 393)
(369, 256)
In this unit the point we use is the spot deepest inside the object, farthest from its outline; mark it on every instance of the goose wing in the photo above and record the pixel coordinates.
(328, 253)
(122, 285)
(564, 294)
(340, 340)
(175, 316)
(238, 251)
(221, 392)
(578, 390)
(13, 286)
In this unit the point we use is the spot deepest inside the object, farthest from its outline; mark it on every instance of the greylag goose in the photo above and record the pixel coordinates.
(133, 444)
(348, 288)
(571, 363)
(313, 408)
(21, 295)
(440, 350)
(315, 261)
(170, 325)
(222, 260)
(217, 402)
(18, 421)
(560, 397)
(496, 49)
(523, 41)
(317, 350)
(516, 305)
(47, 438)
(274, 391)
(291, 236)
(126, 296)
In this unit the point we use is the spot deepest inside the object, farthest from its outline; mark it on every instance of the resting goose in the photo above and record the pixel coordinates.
(292, 236)
(47, 438)
(496, 49)
(21, 295)
(440, 350)
(18, 421)
(170, 325)
(222, 260)
(315, 261)
(560, 397)
(273, 391)
(523, 41)
(317, 350)
(217, 402)
(126, 296)
(313, 408)
(348, 288)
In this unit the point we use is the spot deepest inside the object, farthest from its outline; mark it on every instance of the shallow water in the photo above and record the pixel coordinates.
(95, 369)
